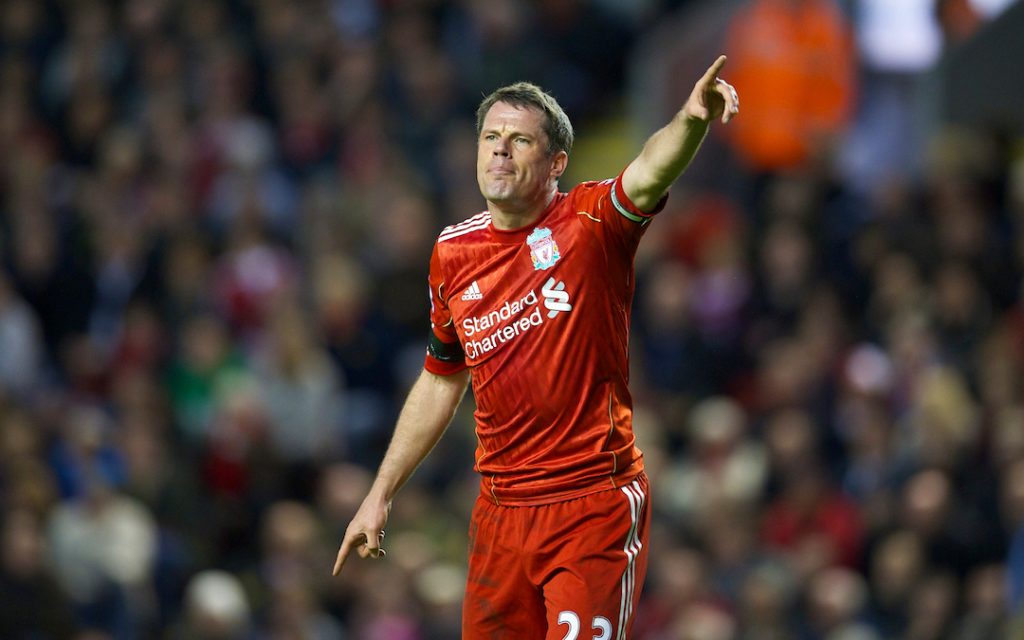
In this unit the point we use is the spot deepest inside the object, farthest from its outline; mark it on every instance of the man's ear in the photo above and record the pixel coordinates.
(559, 163)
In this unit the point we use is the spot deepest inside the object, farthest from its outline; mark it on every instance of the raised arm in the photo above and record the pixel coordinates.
(668, 152)
(427, 411)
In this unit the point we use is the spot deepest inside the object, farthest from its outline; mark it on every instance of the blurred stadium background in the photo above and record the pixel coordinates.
(215, 219)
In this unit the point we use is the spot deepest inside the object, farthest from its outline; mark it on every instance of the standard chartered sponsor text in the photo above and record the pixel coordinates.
(510, 309)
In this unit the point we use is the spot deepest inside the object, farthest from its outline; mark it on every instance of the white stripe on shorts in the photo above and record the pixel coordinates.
(636, 498)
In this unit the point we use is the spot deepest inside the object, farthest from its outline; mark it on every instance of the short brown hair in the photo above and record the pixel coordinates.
(525, 94)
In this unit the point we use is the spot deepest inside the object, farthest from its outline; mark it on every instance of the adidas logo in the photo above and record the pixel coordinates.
(473, 292)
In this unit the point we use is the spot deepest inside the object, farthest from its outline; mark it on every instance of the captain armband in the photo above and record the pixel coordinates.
(445, 351)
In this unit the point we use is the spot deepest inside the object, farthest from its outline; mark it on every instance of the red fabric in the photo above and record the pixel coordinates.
(710, 221)
(554, 415)
(534, 569)
(833, 518)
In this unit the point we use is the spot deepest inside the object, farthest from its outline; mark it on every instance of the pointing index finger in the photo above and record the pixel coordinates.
(340, 561)
(714, 69)
(346, 548)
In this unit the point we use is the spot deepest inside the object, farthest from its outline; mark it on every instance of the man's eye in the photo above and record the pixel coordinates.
(522, 140)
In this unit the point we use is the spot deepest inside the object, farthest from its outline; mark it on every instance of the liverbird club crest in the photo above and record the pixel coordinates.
(543, 248)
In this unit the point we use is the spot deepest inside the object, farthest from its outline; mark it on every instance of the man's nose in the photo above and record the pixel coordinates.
(501, 147)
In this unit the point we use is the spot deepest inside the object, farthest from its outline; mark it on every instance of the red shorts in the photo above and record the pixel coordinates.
(570, 570)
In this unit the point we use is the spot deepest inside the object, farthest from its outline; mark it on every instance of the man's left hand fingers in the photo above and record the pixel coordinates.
(730, 97)
(713, 70)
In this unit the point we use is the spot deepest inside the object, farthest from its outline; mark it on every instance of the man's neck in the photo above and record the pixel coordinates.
(507, 218)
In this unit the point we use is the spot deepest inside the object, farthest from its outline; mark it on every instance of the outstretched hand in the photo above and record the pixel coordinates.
(712, 97)
(365, 533)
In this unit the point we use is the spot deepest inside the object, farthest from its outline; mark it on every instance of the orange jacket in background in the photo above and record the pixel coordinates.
(793, 64)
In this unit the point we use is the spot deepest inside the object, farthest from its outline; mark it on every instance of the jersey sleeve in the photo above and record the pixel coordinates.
(444, 353)
(617, 220)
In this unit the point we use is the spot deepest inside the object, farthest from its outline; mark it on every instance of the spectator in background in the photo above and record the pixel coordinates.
(812, 524)
(932, 607)
(21, 343)
(34, 606)
(303, 392)
(897, 42)
(206, 364)
(723, 468)
(796, 61)
(216, 608)
(290, 551)
(766, 602)
(897, 565)
(835, 599)
(677, 582)
(103, 546)
(985, 596)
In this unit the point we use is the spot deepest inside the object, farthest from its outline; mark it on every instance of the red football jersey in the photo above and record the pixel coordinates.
(541, 316)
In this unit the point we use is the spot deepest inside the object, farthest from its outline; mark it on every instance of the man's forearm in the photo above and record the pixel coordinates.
(665, 156)
(428, 409)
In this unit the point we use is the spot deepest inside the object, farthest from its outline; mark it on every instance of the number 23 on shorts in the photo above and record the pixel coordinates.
(600, 624)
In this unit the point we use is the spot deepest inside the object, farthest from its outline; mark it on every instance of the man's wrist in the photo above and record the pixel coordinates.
(382, 491)
(691, 121)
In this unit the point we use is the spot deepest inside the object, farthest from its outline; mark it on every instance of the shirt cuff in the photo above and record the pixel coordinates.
(440, 368)
(626, 207)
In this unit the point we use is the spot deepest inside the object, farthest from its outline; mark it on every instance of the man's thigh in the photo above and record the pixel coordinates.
(593, 584)
(501, 602)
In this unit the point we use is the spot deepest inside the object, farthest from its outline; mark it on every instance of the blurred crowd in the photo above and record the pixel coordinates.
(215, 222)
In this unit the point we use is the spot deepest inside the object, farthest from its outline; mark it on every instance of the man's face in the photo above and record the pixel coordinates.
(513, 167)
